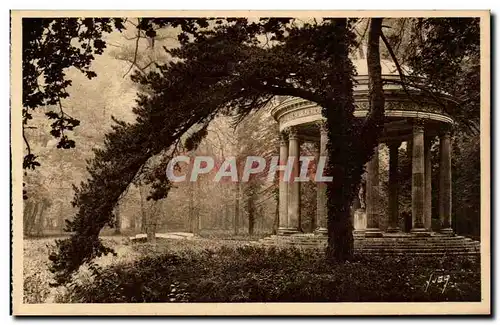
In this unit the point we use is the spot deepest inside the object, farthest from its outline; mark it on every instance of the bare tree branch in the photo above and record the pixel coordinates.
(398, 67)
(134, 61)
(26, 142)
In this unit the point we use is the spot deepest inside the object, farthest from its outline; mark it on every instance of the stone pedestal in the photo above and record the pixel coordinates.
(359, 221)
(372, 197)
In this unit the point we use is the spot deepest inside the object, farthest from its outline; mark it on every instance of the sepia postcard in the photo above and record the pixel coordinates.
(250, 163)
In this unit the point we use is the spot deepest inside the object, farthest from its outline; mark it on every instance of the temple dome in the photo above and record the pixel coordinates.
(388, 67)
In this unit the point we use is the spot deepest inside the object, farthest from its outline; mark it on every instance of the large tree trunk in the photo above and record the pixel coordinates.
(341, 136)
(374, 122)
(340, 239)
(154, 213)
(350, 147)
(151, 232)
(148, 217)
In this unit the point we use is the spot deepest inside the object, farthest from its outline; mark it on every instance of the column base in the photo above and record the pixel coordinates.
(420, 232)
(358, 233)
(393, 229)
(321, 231)
(373, 232)
(446, 231)
(287, 231)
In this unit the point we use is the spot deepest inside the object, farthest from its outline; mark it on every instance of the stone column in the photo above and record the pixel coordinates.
(294, 186)
(409, 148)
(321, 198)
(445, 184)
(418, 180)
(393, 187)
(428, 184)
(283, 187)
(372, 197)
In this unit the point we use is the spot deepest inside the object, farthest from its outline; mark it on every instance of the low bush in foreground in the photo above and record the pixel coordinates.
(256, 274)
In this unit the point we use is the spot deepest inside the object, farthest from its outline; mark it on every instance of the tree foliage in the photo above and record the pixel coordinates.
(466, 184)
(445, 51)
(223, 69)
(50, 47)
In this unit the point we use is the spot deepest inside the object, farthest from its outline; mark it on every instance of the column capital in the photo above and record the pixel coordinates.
(418, 124)
(322, 127)
(445, 133)
(283, 139)
(293, 134)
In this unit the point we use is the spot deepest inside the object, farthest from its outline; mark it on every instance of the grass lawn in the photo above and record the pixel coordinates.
(215, 270)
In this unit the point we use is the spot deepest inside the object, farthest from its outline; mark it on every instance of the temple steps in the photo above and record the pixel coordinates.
(389, 244)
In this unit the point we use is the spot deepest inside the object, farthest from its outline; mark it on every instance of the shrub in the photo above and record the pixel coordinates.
(257, 274)
(35, 273)
(35, 291)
